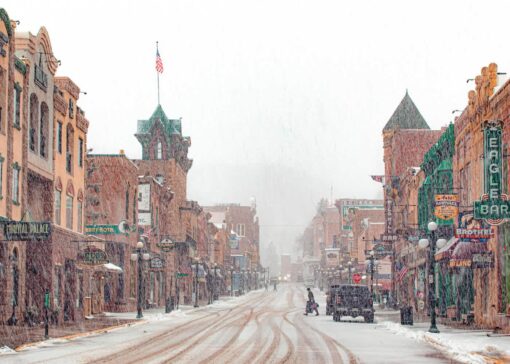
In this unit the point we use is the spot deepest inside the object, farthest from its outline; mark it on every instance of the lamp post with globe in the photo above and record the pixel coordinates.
(140, 256)
(424, 243)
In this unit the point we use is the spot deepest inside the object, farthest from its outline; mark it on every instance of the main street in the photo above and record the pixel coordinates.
(260, 327)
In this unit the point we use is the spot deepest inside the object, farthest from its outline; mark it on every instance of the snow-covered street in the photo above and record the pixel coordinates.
(260, 327)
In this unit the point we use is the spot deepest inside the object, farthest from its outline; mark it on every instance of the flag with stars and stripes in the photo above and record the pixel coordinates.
(159, 62)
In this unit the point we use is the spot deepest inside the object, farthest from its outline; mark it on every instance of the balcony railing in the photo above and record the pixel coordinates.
(40, 78)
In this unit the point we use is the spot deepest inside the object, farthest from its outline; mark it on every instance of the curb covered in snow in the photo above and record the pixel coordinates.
(469, 351)
(78, 335)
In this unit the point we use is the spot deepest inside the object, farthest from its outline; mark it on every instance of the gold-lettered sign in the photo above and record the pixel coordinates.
(446, 207)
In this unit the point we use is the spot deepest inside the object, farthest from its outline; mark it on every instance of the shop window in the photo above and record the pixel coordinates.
(69, 212)
(79, 289)
(58, 204)
(120, 288)
(56, 289)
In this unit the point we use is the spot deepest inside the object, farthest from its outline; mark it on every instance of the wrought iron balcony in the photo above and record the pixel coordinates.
(40, 78)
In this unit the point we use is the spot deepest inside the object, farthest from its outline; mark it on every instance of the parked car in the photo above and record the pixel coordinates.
(329, 298)
(353, 300)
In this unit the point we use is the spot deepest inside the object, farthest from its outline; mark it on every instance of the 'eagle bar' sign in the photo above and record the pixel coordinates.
(494, 206)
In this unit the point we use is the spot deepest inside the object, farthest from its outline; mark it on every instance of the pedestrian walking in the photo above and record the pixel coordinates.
(311, 305)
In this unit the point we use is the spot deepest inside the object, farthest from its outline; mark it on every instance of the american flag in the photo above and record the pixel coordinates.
(159, 62)
(401, 273)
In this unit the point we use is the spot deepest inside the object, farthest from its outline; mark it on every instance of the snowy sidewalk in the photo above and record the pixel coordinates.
(465, 346)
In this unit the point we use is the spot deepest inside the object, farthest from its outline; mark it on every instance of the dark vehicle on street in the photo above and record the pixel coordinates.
(353, 300)
(329, 298)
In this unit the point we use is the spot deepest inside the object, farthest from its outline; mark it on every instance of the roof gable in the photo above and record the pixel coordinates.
(170, 126)
(406, 116)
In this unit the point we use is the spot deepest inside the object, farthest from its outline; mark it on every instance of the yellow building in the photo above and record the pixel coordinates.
(70, 135)
(13, 86)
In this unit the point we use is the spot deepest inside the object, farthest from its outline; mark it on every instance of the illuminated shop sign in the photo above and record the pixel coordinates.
(494, 206)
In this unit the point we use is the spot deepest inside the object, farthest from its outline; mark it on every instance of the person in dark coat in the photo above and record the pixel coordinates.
(311, 303)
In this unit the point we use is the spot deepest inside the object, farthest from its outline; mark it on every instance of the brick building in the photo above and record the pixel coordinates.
(111, 220)
(244, 223)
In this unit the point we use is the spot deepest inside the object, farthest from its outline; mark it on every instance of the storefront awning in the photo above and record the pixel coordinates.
(112, 267)
(446, 251)
(462, 255)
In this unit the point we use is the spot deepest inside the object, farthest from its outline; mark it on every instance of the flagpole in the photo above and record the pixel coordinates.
(157, 73)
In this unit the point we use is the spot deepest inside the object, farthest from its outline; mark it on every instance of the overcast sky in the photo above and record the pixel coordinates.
(282, 99)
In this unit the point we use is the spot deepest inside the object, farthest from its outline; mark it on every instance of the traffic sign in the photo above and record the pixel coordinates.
(356, 277)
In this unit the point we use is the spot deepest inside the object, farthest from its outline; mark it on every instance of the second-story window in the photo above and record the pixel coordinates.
(58, 207)
(71, 108)
(80, 152)
(69, 147)
(15, 183)
(240, 229)
(69, 212)
(80, 216)
(59, 137)
(17, 105)
(1, 174)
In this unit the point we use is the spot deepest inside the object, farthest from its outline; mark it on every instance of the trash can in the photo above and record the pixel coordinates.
(406, 315)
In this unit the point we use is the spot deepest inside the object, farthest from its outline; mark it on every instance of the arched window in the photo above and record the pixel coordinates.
(159, 150)
(43, 130)
(34, 121)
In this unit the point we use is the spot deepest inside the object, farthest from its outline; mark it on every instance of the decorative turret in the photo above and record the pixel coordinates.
(161, 138)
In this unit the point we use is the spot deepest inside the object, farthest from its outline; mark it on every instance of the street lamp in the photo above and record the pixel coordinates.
(371, 258)
(424, 243)
(140, 257)
(349, 266)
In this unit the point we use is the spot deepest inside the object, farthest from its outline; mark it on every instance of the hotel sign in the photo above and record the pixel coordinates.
(102, 229)
(494, 206)
(18, 230)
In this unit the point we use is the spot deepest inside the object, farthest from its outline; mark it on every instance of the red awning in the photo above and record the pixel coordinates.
(446, 251)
